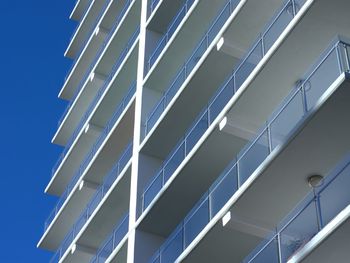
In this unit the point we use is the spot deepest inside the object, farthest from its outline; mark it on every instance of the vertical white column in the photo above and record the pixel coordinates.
(137, 134)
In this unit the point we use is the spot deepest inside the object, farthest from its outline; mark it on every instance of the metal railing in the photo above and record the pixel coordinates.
(290, 115)
(152, 6)
(94, 202)
(95, 101)
(169, 33)
(112, 241)
(191, 62)
(307, 219)
(218, 102)
(117, 114)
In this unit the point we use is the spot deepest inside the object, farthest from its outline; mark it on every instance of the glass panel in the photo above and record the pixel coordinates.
(347, 57)
(196, 222)
(224, 190)
(278, 26)
(174, 162)
(197, 132)
(155, 259)
(175, 86)
(219, 22)
(176, 22)
(221, 99)
(174, 248)
(287, 119)
(253, 157)
(299, 232)
(192, 62)
(153, 190)
(267, 254)
(299, 4)
(335, 197)
(321, 80)
(248, 65)
(157, 52)
(155, 114)
(106, 251)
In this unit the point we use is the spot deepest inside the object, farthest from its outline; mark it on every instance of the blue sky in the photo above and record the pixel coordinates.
(34, 35)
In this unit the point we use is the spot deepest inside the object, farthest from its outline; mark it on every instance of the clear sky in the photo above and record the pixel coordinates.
(34, 35)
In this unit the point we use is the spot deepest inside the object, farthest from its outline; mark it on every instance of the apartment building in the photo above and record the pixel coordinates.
(204, 131)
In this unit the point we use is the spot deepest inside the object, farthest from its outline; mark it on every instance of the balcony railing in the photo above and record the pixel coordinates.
(277, 130)
(112, 241)
(100, 51)
(95, 101)
(306, 220)
(152, 6)
(92, 30)
(223, 96)
(169, 33)
(117, 114)
(94, 202)
(191, 62)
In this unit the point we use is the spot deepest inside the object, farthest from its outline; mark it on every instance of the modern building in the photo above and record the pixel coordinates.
(204, 131)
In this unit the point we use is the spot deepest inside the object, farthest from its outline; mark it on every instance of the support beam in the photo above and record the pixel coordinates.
(88, 185)
(238, 128)
(101, 30)
(93, 130)
(83, 249)
(224, 46)
(94, 76)
(246, 226)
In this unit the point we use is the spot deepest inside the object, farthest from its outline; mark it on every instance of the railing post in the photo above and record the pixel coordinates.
(294, 8)
(347, 59)
(183, 236)
(163, 179)
(238, 177)
(339, 58)
(303, 97)
(279, 249)
(210, 206)
(269, 137)
(318, 211)
(262, 45)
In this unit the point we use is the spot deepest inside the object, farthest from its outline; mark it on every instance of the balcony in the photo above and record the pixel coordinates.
(169, 30)
(244, 188)
(98, 218)
(259, 168)
(85, 26)
(96, 117)
(98, 71)
(107, 22)
(80, 9)
(197, 78)
(101, 157)
(259, 90)
(311, 233)
(208, 146)
(114, 249)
